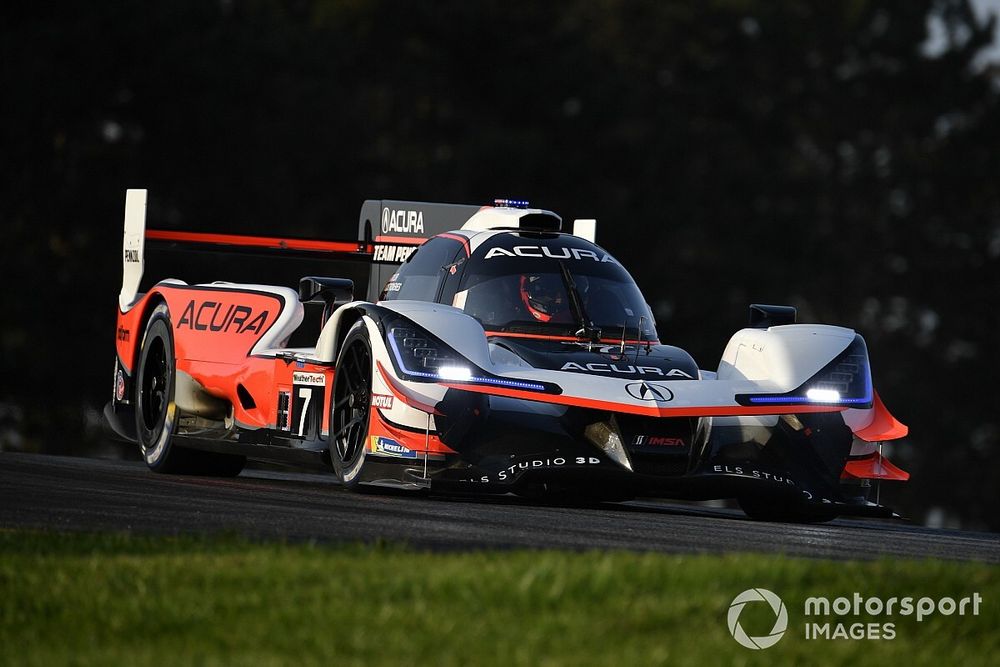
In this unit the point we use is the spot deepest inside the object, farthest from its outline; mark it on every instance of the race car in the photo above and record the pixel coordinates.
(498, 350)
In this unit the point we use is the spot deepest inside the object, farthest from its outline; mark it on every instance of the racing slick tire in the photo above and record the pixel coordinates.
(784, 511)
(156, 413)
(351, 406)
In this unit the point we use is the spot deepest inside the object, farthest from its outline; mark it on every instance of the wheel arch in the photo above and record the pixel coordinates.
(154, 300)
(128, 357)
(335, 331)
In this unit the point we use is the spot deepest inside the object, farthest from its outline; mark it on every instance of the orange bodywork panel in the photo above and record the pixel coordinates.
(214, 331)
(219, 325)
(262, 378)
(127, 334)
(874, 466)
(209, 324)
(884, 426)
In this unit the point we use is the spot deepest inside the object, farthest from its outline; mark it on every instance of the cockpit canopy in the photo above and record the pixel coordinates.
(527, 282)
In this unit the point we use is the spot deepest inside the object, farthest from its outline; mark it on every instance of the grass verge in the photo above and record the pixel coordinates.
(119, 599)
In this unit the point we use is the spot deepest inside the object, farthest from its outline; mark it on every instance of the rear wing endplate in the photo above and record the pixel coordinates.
(133, 247)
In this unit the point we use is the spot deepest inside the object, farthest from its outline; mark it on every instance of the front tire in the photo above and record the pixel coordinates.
(156, 413)
(351, 406)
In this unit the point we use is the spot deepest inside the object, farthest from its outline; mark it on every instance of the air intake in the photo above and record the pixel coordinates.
(545, 221)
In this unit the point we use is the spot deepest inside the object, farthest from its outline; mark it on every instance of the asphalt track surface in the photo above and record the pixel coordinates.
(77, 494)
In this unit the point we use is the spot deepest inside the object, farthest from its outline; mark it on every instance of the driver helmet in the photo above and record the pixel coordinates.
(544, 295)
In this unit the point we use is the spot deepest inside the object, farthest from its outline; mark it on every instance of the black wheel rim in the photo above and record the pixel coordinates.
(352, 402)
(155, 376)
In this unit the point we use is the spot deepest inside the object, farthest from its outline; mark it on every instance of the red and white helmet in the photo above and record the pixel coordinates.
(544, 295)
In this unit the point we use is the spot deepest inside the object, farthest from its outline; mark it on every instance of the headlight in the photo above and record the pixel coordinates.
(420, 356)
(845, 382)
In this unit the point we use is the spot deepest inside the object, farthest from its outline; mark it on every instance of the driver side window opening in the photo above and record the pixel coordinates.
(421, 276)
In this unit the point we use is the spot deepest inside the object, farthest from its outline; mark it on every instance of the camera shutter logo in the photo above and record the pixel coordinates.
(780, 622)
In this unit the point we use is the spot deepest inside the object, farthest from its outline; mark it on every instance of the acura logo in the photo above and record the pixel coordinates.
(402, 222)
(647, 391)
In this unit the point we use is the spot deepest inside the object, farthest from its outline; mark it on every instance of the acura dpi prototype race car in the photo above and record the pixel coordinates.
(497, 350)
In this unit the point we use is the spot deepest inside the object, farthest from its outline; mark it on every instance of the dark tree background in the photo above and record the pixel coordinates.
(777, 151)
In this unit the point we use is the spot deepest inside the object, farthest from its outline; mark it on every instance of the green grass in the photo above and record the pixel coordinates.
(117, 599)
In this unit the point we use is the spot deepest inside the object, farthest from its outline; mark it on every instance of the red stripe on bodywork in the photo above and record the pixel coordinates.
(611, 406)
(400, 392)
(884, 426)
(380, 426)
(268, 242)
(461, 239)
(874, 466)
(571, 339)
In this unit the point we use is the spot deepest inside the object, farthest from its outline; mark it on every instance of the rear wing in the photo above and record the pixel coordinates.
(136, 237)
(388, 233)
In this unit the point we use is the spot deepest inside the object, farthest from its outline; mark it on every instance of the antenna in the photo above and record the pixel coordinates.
(639, 341)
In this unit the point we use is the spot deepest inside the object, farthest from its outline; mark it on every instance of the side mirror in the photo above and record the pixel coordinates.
(328, 291)
(763, 316)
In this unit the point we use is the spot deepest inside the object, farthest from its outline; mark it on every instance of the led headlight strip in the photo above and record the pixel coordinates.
(844, 382)
(421, 356)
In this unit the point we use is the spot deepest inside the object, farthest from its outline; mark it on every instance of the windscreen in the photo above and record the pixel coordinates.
(551, 284)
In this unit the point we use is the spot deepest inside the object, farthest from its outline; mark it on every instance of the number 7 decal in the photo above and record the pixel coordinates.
(306, 393)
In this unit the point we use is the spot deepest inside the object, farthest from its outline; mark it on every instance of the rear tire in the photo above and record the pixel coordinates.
(156, 413)
(784, 511)
(351, 406)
